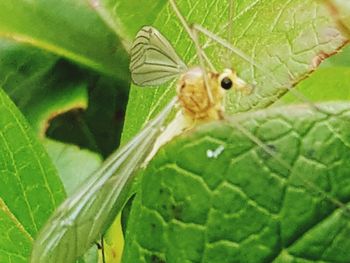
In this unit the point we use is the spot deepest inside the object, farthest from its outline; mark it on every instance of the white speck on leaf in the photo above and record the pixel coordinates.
(215, 153)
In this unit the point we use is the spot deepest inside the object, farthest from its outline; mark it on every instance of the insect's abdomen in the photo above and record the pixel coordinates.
(194, 98)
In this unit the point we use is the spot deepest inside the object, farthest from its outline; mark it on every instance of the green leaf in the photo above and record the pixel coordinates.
(40, 84)
(30, 188)
(288, 39)
(342, 59)
(15, 242)
(326, 84)
(127, 17)
(97, 128)
(21, 65)
(245, 205)
(105, 114)
(45, 87)
(69, 28)
(74, 164)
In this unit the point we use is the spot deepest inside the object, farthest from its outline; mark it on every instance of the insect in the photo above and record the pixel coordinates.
(82, 218)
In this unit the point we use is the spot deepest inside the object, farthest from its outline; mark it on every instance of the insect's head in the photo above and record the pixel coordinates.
(228, 80)
(193, 92)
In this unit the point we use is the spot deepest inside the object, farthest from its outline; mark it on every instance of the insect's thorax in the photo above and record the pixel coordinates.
(194, 98)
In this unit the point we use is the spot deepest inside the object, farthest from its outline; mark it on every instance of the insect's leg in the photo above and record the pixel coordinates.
(252, 137)
(297, 94)
(230, 20)
(229, 32)
(103, 250)
(189, 29)
(248, 59)
(194, 36)
(207, 60)
(258, 142)
(201, 63)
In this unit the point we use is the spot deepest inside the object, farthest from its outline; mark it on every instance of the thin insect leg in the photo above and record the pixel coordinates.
(297, 94)
(103, 250)
(201, 63)
(194, 36)
(244, 56)
(190, 32)
(294, 92)
(211, 66)
(207, 60)
(230, 27)
(301, 97)
(100, 247)
(230, 17)
(201, 55)
(251, 136)
(286, 165)
(181, 18)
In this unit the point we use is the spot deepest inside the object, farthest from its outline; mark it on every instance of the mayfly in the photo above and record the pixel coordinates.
(84, 217)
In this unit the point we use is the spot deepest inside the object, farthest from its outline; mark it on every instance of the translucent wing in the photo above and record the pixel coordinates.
(153, 59)
(83, 217)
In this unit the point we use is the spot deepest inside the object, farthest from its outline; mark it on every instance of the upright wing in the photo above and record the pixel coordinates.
(82, 218)
(153, 60)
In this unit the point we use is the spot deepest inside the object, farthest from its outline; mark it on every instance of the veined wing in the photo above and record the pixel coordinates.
(153, 59)
(81, 219)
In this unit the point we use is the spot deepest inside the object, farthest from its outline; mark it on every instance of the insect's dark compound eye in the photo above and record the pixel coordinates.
(226, 83)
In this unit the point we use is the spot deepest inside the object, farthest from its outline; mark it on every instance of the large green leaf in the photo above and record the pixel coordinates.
(126, 17)
(30, 188)
(70, 28)
(244, 205)
(287, 38)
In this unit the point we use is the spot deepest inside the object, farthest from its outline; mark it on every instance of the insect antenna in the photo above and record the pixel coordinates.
(200, 53)
(231, 12)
